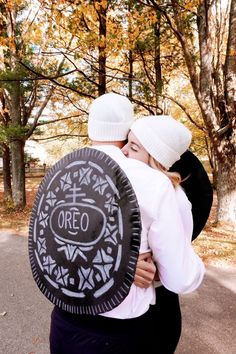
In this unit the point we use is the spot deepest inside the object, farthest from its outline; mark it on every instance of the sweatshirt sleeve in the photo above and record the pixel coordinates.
(180, 269)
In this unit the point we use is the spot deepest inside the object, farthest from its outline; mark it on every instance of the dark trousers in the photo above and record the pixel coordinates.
(81, 334)
(156, 332)
(166, 315)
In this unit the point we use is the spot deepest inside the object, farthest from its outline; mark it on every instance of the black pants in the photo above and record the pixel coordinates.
(156, 332)
(84, 334)
(166, 314)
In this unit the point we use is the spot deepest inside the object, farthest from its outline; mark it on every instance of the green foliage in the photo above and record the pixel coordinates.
(3, 138)
(10, 76)
(13, 132)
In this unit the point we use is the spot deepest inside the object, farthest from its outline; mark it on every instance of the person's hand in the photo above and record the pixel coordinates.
(145, 271)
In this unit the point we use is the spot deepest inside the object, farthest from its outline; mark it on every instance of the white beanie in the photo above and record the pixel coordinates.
(164, 138)
(110, 118)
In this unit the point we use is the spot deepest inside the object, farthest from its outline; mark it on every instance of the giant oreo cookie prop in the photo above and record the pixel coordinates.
(84, 233)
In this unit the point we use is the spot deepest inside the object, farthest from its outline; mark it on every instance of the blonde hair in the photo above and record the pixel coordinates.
(173, 176)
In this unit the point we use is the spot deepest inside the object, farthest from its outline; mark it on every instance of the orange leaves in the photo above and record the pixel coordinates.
(8, 42)
(100, 4)
(35, 36)
(12, 4)
(191, 5)
(4, 41)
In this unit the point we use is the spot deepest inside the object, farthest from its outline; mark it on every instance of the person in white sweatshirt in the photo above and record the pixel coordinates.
(147, 136)
(149, 140)
(127, 327)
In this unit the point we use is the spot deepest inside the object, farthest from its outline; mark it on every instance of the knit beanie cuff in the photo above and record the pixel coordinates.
(156, 148)
(164, 138)
(105, 131)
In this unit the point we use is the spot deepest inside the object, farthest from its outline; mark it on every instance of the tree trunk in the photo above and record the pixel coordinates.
(17, 149)
(102, 13)
(226, 192)
(157, 63)
(130, 55)
(230, 63)
(6, 173)
(226, 184)
(18, 174)
(131, 61)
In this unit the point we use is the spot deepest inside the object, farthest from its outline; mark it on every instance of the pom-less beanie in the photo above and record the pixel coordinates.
(163, 137)
(110, 118)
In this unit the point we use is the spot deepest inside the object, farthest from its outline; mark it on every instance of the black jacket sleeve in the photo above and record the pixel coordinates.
(197, 187)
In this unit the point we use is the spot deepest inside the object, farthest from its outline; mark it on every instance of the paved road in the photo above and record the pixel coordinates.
(209, 314)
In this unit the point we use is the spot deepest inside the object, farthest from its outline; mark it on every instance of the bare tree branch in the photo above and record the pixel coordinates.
(56, 82)
(202, 128)
(61, 136)
(57, 120)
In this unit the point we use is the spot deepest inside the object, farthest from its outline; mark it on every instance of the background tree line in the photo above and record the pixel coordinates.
(167, 56)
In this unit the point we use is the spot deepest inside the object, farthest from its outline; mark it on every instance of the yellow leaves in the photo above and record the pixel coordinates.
(89, 14)
(232, 52)
(3, 41)
(149, 18)
(104, 3)
(133, 36)
(143, 19)
(13, 4)
(97, 5)
(7, 43)
(36, 35)
(18, 2)
(140, 24)
(102, 42)
(100, 4)
(189, 5)
(11, 44)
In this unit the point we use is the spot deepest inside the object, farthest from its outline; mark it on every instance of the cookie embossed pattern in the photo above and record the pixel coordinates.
(84, 233)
